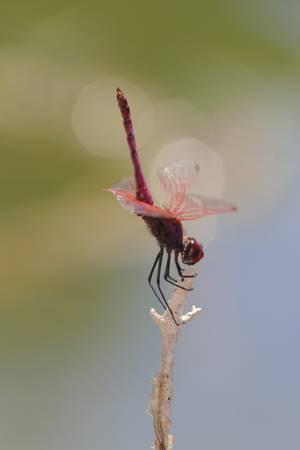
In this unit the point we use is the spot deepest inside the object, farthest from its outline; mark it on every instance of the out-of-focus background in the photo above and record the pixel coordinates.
(216, 81)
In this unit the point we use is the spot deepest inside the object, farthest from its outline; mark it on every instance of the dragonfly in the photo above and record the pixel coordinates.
(165, 222)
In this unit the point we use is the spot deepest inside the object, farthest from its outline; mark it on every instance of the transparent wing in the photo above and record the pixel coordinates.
(176, 179)
(196, 206)
(126, 184)
(128, 201)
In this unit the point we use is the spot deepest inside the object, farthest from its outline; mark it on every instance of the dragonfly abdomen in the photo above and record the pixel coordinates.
(142, 191)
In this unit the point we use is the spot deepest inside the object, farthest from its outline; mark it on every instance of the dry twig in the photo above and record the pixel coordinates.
(162, 391)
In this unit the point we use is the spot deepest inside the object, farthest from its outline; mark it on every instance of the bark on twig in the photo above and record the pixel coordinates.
(162, 391)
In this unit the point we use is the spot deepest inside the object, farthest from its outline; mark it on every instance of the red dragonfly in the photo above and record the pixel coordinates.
(165, 222)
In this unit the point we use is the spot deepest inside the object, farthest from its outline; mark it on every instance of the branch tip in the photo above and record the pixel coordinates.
(157, 318)
(188, 316)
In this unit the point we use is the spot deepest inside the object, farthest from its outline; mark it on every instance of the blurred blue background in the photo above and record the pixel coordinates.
(217, 81)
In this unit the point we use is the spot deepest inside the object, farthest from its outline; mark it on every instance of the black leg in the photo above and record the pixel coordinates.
(150, 278)
(168, 278)
(161, 254)
(167, 275)
(179, 269)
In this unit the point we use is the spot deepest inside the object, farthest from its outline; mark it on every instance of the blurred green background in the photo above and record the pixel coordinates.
(78, 348)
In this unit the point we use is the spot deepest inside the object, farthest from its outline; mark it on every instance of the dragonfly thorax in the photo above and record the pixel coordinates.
(192, 251)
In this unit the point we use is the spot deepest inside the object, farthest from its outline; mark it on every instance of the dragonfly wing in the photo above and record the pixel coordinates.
(126, 184)
(176, 179)
(128, 201)
(196, 206)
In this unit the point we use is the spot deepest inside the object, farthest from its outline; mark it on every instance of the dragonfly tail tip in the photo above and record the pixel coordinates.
(119, 92)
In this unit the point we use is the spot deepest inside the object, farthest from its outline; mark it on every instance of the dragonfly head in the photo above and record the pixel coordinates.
(192, 251)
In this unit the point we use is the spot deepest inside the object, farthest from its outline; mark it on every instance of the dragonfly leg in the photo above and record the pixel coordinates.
(170, 279)
(167, 275)
(179, 269)
(161, 254)
(150, 279)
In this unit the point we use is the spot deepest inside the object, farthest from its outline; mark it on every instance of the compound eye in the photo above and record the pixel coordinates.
(192, 252)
